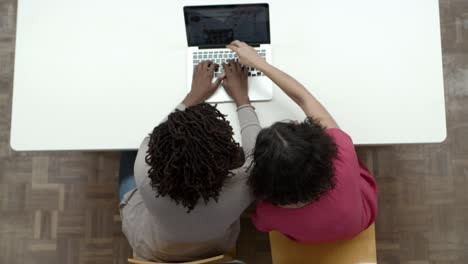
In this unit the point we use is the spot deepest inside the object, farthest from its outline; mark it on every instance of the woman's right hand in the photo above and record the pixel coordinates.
(248, 56)
(235, 82)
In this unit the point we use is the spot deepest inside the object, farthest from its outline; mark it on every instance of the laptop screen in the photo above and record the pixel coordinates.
(218, 25)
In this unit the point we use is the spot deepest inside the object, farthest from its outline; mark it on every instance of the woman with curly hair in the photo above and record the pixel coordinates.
(191, 176)
(307, 176)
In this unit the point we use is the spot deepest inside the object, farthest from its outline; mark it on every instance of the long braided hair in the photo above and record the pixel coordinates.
(191, 155)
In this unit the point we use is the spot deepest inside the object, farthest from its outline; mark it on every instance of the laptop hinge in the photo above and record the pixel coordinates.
(223, 46)
(212, 47)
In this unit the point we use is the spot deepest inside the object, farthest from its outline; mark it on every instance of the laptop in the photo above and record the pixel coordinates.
(210, 28)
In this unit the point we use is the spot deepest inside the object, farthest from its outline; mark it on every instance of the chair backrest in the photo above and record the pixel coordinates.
(212, 260)
(361, 249)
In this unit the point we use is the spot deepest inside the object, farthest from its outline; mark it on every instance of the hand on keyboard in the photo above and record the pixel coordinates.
(247, 55)
(202, 85)
(235, 82)
(220, 56)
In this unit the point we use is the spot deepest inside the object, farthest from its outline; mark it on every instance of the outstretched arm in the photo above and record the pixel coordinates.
(236, 85)
(295, 90)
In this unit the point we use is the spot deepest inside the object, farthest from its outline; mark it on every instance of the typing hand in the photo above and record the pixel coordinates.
(247, 55)
(202, 86)
(235, 82)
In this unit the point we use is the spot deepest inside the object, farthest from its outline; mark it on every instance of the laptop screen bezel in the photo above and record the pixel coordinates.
(186, 8)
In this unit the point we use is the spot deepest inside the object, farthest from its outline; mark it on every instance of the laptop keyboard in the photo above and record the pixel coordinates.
(221, 56)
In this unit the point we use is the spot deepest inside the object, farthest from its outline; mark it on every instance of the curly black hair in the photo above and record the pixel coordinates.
(292, 163)
(191, 155)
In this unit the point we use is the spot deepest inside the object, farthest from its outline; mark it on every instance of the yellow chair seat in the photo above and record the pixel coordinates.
(359, 250)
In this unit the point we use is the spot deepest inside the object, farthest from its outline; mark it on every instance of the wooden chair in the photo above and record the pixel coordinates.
(361, 249)
(213, 260)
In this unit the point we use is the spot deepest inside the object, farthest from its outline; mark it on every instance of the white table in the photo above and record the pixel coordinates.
(99, 75)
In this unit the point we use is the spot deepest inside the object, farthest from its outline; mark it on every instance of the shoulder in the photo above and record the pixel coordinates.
(344, 143)
(140, 168)
(236, 186)
(339, 136)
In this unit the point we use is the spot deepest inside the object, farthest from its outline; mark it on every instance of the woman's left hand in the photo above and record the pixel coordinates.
(202, 85)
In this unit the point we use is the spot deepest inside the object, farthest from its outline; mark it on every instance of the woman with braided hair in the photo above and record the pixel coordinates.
(189, 188)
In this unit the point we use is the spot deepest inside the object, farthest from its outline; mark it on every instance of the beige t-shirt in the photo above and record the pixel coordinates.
(160, 230)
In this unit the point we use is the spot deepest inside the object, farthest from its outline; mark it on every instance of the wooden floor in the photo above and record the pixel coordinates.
(62, 207)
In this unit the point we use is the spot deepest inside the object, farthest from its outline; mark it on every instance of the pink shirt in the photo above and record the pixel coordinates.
(342, 213)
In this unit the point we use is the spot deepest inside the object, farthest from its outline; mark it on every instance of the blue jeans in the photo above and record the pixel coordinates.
(126, 175)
